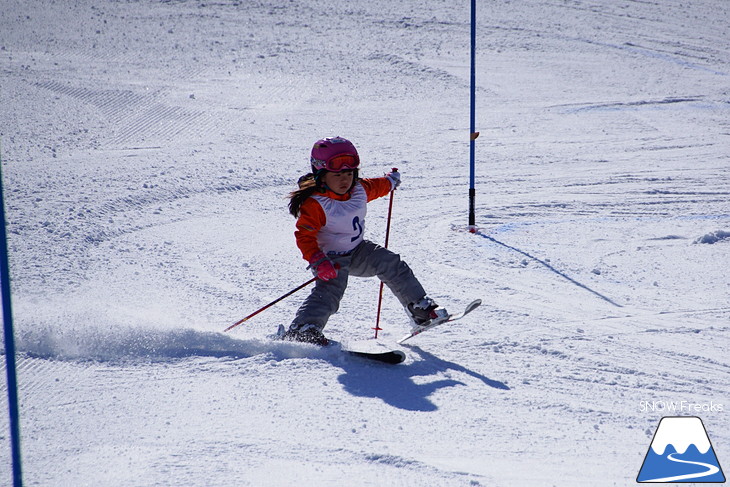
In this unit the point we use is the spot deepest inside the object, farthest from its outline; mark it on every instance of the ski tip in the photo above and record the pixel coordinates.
(401, 356)
(394, 357)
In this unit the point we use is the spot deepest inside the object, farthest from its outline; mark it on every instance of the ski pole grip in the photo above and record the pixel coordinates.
(392, 170)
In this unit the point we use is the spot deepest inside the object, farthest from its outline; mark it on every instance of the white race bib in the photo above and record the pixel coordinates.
(345, 221)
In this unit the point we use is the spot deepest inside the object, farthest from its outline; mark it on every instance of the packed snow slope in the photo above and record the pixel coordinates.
(148, 148)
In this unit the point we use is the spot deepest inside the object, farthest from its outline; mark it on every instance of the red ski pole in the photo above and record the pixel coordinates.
(271, 304)
(387, 237)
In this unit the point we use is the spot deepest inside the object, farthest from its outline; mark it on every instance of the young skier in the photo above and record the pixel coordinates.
(330, 206)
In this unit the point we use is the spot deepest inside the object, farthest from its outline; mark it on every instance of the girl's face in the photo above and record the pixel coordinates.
(339, 182)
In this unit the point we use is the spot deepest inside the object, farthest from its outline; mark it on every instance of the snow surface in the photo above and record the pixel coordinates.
(148, 148)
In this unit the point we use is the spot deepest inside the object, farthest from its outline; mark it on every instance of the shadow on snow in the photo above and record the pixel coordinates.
(396, 385)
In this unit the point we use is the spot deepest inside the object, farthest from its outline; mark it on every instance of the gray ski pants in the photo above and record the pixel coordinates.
(367, 260)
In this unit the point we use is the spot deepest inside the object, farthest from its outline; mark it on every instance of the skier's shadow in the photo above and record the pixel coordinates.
(395, 385)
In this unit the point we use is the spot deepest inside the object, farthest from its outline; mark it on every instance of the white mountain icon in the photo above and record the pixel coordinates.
(680, 432)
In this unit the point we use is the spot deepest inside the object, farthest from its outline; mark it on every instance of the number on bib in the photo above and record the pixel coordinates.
(356, 226)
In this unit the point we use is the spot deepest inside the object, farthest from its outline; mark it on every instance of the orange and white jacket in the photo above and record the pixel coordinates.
(336, 223)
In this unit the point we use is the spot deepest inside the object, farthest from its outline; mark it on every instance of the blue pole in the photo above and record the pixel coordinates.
(473, 134)
(10, 365)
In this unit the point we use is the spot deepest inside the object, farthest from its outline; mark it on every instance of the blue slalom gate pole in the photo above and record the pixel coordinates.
(473, 134)
(10, 365)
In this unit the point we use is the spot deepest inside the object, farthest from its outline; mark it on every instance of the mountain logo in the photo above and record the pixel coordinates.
(680, 452)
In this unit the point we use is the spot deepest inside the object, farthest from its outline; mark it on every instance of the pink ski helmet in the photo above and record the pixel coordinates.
(334, 154)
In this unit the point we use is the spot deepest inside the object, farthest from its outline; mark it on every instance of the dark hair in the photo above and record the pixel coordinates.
(310, 184)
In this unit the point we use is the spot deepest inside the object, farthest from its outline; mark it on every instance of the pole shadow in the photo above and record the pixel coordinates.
(551, 268)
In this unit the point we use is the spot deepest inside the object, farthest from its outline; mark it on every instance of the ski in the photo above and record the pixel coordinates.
(386, 356)
(418, 330)
(392, 357)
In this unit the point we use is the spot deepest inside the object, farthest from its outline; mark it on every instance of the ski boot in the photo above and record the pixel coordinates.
(425, 312)
(305, 334)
